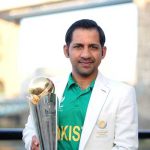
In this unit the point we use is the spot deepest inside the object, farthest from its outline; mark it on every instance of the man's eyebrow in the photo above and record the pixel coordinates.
(94, 44)
(78, 44)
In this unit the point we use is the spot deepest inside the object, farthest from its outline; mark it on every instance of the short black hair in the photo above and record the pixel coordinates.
(86, 24)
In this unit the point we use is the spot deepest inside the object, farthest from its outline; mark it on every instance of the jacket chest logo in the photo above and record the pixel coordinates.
(102, 124)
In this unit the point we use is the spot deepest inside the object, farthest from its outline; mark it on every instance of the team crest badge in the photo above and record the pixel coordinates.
(102, 124)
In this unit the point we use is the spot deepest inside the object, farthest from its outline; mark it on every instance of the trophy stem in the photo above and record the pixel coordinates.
(35, 115)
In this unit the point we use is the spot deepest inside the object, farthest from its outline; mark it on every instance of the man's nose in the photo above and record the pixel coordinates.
(85, 53)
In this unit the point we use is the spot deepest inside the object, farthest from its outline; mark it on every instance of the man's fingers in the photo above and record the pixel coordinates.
(35, 140)
(35, 143)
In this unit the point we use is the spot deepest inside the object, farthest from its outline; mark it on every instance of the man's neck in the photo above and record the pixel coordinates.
(84, 81)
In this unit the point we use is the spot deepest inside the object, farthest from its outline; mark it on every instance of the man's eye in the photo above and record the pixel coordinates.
(93, 47)
(77, 46)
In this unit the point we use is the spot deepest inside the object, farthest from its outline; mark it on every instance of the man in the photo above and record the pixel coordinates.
(95, 113)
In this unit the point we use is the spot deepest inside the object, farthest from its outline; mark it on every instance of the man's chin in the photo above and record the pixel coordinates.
(86, 73)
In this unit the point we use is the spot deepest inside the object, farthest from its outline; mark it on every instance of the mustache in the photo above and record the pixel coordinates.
(86, 60)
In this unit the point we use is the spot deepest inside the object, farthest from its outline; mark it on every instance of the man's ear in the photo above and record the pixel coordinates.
(66, 51)
(104, 49)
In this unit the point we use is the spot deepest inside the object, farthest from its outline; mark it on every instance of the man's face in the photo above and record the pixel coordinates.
(85, 52)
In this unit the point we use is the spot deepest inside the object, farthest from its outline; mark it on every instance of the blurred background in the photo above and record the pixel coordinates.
(31, 44)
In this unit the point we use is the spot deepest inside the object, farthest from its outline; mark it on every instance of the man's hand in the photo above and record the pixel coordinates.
(35, 145)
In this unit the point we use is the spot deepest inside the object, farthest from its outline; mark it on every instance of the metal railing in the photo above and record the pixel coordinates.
(144, 134)
(16, 134)
(11, 133)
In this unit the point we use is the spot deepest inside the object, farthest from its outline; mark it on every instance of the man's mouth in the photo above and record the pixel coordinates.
(86, 63)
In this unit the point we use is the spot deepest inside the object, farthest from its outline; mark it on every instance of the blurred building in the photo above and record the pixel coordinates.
(143, 63)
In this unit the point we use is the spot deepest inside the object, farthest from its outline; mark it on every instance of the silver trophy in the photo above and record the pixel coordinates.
(43, 106)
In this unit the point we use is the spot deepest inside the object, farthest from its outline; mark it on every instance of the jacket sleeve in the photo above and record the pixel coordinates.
(126, 126)
(28, 133)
